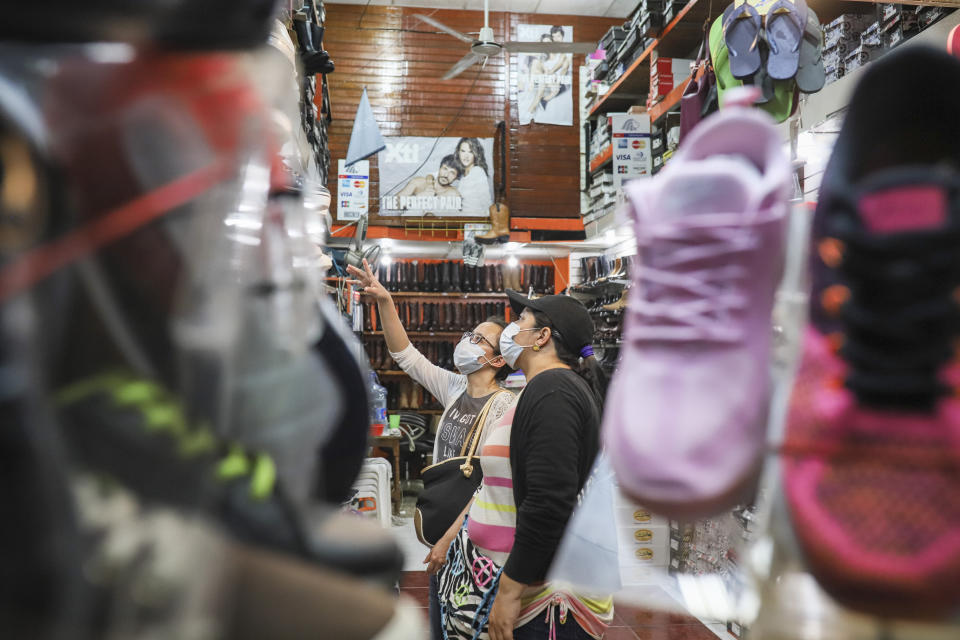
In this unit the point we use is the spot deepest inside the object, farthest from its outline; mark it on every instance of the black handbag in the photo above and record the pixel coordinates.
(449, 485)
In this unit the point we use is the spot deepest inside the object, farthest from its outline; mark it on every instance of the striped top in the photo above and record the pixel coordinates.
(491, 526)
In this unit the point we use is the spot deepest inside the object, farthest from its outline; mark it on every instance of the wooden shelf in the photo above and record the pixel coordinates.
(602, 160)
(635, 81)
(669, 101)
(680, 38)
(447, 294)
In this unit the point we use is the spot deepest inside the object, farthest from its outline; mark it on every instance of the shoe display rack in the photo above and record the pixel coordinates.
(603, 287)
(437, 301)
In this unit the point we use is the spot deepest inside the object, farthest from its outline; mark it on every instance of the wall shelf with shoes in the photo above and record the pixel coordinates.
(454, 295)
(422, 334)
(411, 277)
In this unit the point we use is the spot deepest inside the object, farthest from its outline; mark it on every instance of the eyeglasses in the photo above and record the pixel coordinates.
(475, 338)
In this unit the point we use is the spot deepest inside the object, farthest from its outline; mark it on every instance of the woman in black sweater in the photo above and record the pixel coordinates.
(553, 440)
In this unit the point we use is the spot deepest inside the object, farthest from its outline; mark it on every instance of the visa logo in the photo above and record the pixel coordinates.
(623, 156)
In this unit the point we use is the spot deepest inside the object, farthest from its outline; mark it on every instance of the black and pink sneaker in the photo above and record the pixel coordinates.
(872, 449)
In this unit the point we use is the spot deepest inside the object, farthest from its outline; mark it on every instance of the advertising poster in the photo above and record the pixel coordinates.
(353, 194)
(632, 157)
(545, 81)
(445, 177)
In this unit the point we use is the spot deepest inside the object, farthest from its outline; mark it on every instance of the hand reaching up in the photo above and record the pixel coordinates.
(368, 282)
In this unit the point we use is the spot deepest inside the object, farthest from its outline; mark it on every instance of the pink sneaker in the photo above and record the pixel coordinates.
(686, 414)
(872, 448)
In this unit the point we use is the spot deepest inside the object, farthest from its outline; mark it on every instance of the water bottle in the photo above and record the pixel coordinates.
(378, 406)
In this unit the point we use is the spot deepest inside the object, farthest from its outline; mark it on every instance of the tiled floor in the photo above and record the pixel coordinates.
(630, 621)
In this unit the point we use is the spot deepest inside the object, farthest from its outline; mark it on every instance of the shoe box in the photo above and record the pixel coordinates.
(671, 8)
(610, 43)
(861, 56)
(666, 74)
(849, 26)
(643, 538)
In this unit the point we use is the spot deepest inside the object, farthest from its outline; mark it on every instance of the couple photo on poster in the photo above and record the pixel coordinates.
(451, 178)
(545, 82)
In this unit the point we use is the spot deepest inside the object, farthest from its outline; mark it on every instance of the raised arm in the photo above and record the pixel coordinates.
(444, 385)
(393, 331)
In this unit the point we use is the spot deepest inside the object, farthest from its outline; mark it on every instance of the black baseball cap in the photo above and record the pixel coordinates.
(568, 315)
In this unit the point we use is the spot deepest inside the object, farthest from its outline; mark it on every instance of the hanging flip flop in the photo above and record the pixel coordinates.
(786, 23)
(741, 34)
(811, 75)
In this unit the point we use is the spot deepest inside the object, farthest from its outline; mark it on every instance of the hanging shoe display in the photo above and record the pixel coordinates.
(710, 233)
(871, 457)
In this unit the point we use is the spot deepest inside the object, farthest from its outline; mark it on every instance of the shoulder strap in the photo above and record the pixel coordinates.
(473, 439)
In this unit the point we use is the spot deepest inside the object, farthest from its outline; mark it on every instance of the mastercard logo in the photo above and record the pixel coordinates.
(644, 554)
(643, 535)
(641, 516)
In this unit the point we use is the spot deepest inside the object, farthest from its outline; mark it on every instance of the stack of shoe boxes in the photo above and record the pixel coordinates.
(602, 194)
(898, 24)
(671, 8)
(610, 43)
(841, 36)
(658, 146)
(665, 74)
(600, 140)
(853, 40)
(643, 540)
(871, 48)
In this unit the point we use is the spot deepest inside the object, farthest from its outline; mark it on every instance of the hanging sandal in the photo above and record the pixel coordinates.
(811, 75)
(785, 25)
(741, 35)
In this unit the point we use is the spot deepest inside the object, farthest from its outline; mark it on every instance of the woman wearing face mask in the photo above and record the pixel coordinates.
(463, 395)
(535, 462)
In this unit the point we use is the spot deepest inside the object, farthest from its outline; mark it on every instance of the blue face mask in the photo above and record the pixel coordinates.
(509, 349)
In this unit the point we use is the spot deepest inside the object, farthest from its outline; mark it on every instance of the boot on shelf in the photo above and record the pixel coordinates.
(525, 280)
(429, 316)
(435, 277)
(466, 284)
(367, 320)
(498, 278)
(405, 282)
(444, 276)
(499, 225)
(455, 320)
(387, 363)
(478, 279)
(454, 276)
(425, 273)
(411, 394)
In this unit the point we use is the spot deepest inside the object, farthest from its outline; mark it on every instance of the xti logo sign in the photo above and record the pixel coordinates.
(402, 153)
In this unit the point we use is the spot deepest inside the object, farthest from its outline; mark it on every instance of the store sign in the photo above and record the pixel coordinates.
(353, 184)
(545, 81)
(445, 177)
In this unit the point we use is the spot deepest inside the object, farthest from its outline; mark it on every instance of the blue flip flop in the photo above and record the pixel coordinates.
(785, 25)
(741, 34)
(811, 75)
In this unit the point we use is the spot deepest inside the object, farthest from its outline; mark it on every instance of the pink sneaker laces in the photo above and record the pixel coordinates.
(690, 303)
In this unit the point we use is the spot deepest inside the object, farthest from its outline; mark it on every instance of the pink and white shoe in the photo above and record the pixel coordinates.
(686, 413)
(872, 448)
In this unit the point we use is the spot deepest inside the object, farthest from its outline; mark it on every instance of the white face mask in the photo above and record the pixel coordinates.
(467, 356)
(508, 348)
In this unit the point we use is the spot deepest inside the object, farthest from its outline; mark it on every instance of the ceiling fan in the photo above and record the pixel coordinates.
(485, 46)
